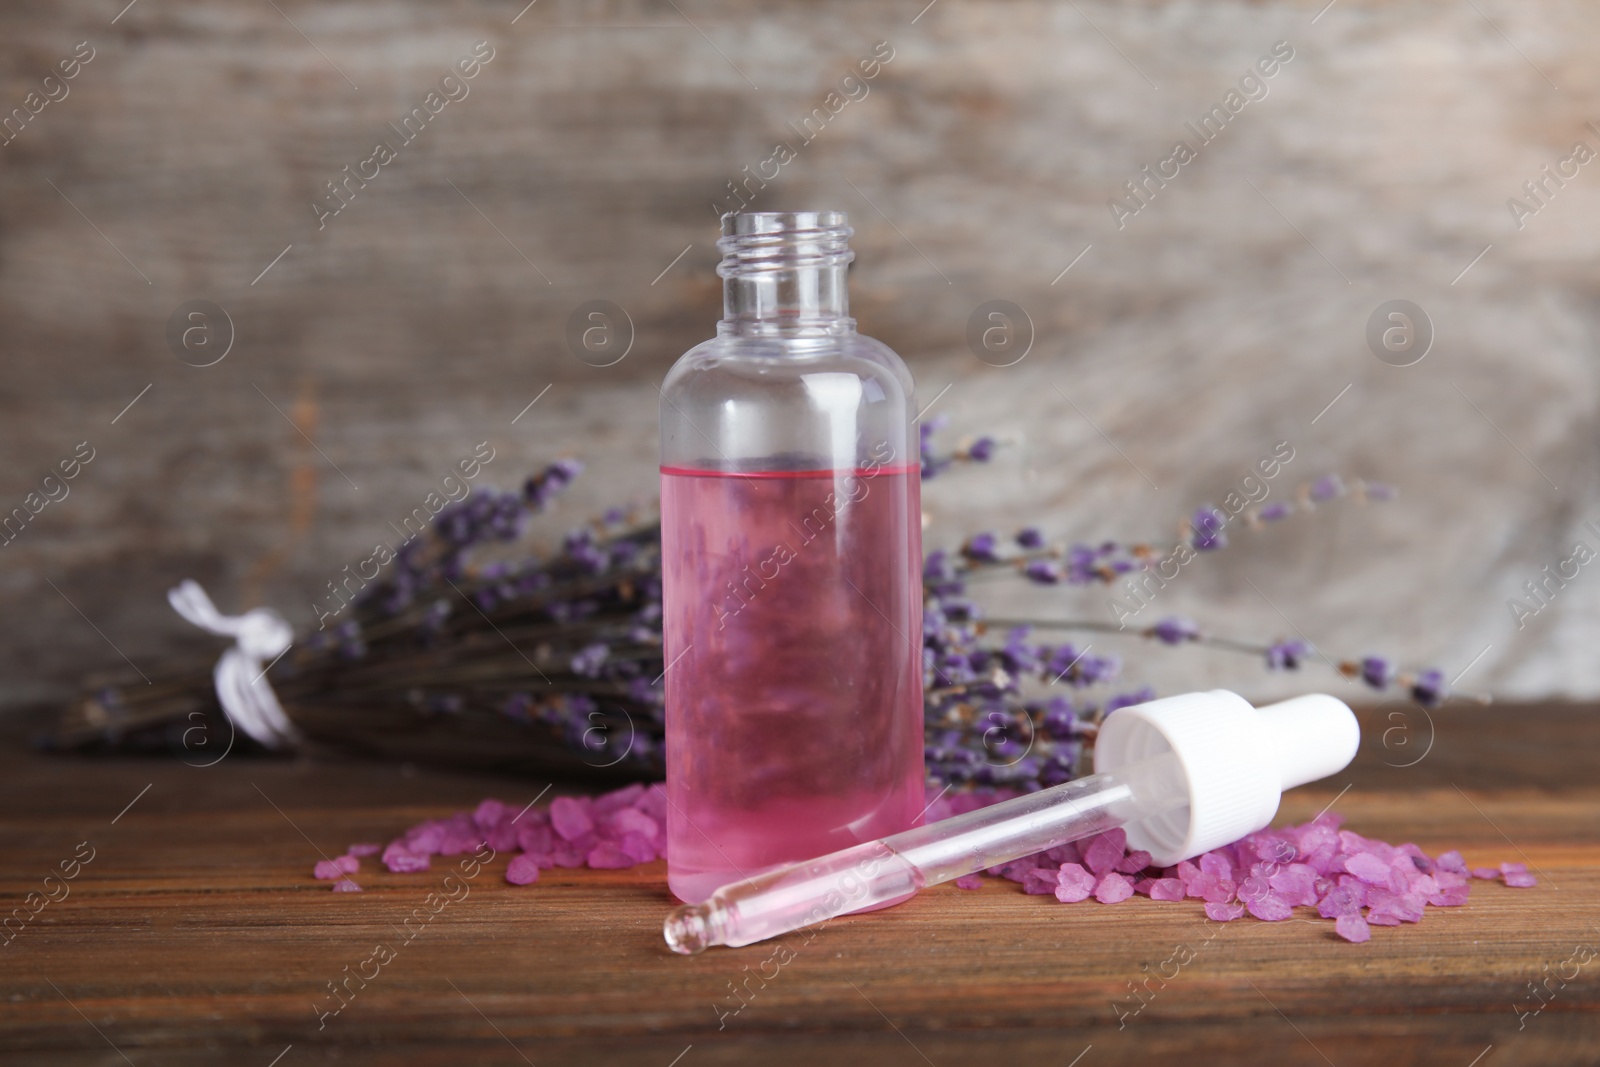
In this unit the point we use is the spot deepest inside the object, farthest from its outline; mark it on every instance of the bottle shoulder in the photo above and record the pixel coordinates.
(749, 362)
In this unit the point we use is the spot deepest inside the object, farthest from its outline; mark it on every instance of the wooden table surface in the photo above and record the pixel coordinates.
(197, 935)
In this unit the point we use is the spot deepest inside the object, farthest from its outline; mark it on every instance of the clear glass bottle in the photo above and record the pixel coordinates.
(791, 561)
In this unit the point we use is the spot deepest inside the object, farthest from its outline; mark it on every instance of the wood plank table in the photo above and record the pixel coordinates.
(196, 934)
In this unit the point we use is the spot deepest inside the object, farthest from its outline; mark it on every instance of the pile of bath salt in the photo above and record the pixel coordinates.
(1267, 874)
(617, 829)
(1353, 880)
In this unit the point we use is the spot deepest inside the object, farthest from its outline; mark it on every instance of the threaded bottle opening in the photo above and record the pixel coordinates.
(759, 242)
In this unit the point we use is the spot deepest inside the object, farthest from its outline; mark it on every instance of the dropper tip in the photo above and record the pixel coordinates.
(688, 929)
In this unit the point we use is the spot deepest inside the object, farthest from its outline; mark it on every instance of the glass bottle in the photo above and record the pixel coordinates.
(791, 562)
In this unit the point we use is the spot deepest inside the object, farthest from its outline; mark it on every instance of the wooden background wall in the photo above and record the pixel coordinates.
(1222, 318)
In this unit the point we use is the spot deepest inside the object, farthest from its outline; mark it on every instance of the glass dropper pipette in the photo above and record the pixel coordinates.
(1183, 775)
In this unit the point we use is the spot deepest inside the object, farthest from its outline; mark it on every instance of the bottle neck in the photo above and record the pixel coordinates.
(785, 274)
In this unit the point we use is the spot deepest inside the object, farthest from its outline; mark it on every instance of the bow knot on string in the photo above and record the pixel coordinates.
(261, 637)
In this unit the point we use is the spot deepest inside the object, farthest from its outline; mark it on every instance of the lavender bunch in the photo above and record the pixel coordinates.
(555, 662)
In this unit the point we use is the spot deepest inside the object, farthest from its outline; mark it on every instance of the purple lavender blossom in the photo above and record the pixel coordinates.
(1430, 689)
(1377, 672)
(1288, 655)
(1208, 522)
(1326, 488)
(1276, 512)
(590, 658)
(1030, 538)
(982, 450)
(984, 547)
(1043, 571)
(1175, 630)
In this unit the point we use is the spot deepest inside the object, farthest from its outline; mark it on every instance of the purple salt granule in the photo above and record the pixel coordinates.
(522, 870)
(489, 813)
(345, 885)
(1113, 888)
(347, 863)
(970, 881)
(1369, 868)
(606, 856)
(1166, 889)
(569, 819)
(326, 870)
(1488, 874)
(1352, 927)
(402, 860)
(1039, 881)
(1520, 880)
(1223, 913)
(1104, 851)
(1134, 862)
(1073, 883)
(364, 849)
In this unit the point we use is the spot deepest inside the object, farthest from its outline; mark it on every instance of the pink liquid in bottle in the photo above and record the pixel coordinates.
(793, 631)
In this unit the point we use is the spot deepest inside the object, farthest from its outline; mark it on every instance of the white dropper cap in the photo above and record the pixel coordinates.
(1238, 761)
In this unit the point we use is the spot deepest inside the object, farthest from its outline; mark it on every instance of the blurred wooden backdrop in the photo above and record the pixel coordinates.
(182, 160)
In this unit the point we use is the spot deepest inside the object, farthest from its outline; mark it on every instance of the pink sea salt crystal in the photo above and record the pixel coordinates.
(969, 881)
(572, 853)
(326, 870)
(364, 849)
(654, 803)
(1488, 874)
(345, 885)
(538, 838)
(569, 819)
(1212, 889)
(1340, 900)
(489, 813)
(626, 821)
(1451, 861)
(607, 856)
(1453, 897)
(638, 846)
(1134, 862)
(1521, 880)
(1215, 864)
(1513, 868)
(1113, 888)
(1039, 881)
(1073, 883)
(1166, 889)
(1017, 870)
(502, 836)
(1067, 853)
(1356, 886)
(1102, 854)
(1269, 907)
(1403, 906)
(618, 799)
(1369, 868)
(347, 863)
(425, 837)
(1296, 884)
(522, 870)
(1223, 912)
(1352, 927)
(401, 860)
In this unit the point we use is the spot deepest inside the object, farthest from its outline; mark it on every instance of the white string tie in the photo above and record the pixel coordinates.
(262, 636)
